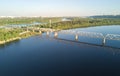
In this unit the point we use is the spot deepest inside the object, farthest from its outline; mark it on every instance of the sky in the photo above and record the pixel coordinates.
(59, 7)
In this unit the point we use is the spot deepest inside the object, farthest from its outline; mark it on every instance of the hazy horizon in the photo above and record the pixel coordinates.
(59, 7)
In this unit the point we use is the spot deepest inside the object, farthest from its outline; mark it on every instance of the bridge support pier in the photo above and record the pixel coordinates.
(47, 33)
(27, 29)
(76, 37)
(33, 30)
(40, 32)
(56, 34)
(104, 41)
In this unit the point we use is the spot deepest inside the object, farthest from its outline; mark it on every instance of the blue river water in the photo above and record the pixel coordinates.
(43, 55)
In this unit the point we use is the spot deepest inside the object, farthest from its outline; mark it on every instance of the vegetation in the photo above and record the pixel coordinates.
(8, 34)
(57, 23)
(26, 20)
(85, 22)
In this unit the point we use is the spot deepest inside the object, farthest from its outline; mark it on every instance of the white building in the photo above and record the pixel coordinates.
(66, 19)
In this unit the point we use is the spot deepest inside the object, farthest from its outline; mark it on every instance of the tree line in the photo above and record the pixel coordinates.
(8, 34)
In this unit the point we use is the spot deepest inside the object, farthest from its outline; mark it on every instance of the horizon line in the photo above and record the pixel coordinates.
(65, 16)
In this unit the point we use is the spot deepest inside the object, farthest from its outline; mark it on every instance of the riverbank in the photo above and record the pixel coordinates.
(22, 35)
(8, 36)
(9, 40)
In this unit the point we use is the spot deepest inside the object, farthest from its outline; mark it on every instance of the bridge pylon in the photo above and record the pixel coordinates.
(55, 34)
(76, 37)
(47, 33)
(40, 31)
(104, 41)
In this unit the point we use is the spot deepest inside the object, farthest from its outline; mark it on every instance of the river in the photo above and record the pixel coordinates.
(43, 55)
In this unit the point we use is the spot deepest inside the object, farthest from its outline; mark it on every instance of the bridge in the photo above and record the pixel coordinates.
(40, 30)
(76, 34)
(92, 35)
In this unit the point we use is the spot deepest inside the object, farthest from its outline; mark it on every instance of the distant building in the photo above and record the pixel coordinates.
(67, 19)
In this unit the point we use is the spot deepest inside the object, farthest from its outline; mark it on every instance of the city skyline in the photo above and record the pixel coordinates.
(59, 7)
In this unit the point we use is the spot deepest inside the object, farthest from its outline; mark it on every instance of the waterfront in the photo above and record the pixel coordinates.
(43, 55)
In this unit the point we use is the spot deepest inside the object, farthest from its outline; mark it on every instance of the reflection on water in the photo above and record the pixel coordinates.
(98, 41)
(43, 55)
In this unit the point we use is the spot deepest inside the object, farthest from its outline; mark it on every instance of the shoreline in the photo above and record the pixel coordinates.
(27, 34)
(22, 35)
(9, 40)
